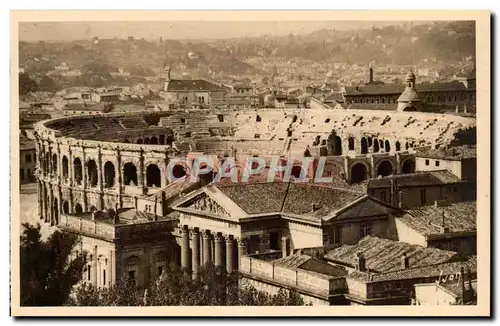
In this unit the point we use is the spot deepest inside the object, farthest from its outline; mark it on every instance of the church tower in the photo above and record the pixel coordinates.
(167, 78)
(409, 100)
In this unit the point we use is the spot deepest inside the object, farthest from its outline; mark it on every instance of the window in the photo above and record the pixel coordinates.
(131, 276)
(29, 174)
(337, 235)
(423, 196)
(88, 272)
(274, 241)
(188, 134)
(22, 174)
(28, 158)
(455, 189)
(365, 229)
(437, 163)
(426, 162)
(382, 196)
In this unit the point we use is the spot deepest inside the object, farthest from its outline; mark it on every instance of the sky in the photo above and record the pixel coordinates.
(180, 30)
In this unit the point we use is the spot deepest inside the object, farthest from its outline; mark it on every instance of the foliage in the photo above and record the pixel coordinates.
(26, 84)
(49, 270)
(212, 287)
(465, 137)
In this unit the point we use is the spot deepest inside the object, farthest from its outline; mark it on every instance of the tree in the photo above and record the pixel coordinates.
(48, 269)
(26, 84)
(212, 287)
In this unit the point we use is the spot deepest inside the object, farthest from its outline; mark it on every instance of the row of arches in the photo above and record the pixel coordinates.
(130, 176)
(359, 171)
(153, 140)
(376, 145)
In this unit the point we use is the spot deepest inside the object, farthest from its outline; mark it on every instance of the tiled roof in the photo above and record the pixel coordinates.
(373, 106)
(175, 188)
(431, 271)
(456, 287)
(458, 217)
(383, 255)
(428, 178)
(409, 95)
(25, 143)
(293, 198)
(192, 85)
(82, 107)
(337, 97)
(308, 263)
(456, 153)
(399, 88)
(292, 261)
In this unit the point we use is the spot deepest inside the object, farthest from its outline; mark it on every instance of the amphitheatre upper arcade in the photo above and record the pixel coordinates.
(103, 161)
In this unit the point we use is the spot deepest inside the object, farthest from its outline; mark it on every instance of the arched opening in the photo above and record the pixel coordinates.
(153, 176)
(65, 167)
(133, 263)
(338, 146)
(258, 118)
(323, 151)
(130, 174)
(375, 146)
(65, 207)
(78, 208)
(387, 146)
(170, 140)
(358, 173)
(294, 119)
(220, 117)
(146, 140)
(370, 141)
(408, 166)
(126, 141)
(92, 173)
(153, 140)
(161, 263)
(109, 175)
(398, 146)
(139, 141)
(410, 109)
(54, 164)
(364, 146)
(178, 171)
(307, 153)
(384, 169)
(381, 143)
(77, 170)
(162, 140)
(92, 208)
(296, 171)
(55, 219)
(351, 143)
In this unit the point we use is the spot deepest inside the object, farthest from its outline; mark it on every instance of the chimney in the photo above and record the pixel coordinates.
(361, 265)
(371, 75)
(135, 202)
(405, 261)
(444, 229)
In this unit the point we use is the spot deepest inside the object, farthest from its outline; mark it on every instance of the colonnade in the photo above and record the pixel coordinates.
(200, 247)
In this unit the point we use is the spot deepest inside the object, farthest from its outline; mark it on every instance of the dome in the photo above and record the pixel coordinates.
(409, 95)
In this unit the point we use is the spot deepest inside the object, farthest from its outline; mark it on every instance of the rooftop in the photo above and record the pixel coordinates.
(308, 263)
(426, 220)
(383, 255)
(192, 85)
(399, 88)
(126, 216)
(428, 178)
(25, 143)
(455, 153)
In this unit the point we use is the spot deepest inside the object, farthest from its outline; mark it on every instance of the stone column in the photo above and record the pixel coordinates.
(40, 198)
(111, 269)
(50, 205)
(229, 254)
(185, 248)
(49, 163)
(100, 182)
(212, 246)
(94, 266)
(219, 250)
(196, 251)
(84, 168)
(59, 165)
(242, 249)
(119, 176)
(284, 246)
(141, 172)
(71, 201)
(70, 167)
(206, 248)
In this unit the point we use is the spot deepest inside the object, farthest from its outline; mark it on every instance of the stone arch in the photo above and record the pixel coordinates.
(139, 141)
(129, 174)
(384, 168)
(364, 146)
(54, 163)
(109, 174)
(350, 142)
(92, 173)
(359, 173)
(161, 260)
(126, 141)
(307, 153)
(162, 140)
(65, 167)
(410, 108)
(146, 140)
(170, 140)
(132, 264)
(408, 166)
(387, 146)
(65, 207)
(78, 170)
(178, 171)
(92, 208)
(78, 208)
(153, 140)
(296, 171)
(338, 146)
(398, 146)
(376, 146)
(153, 176)
(220, 117)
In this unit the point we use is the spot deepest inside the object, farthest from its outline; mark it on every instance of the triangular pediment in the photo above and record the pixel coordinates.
(364, 209)
(204, 203)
